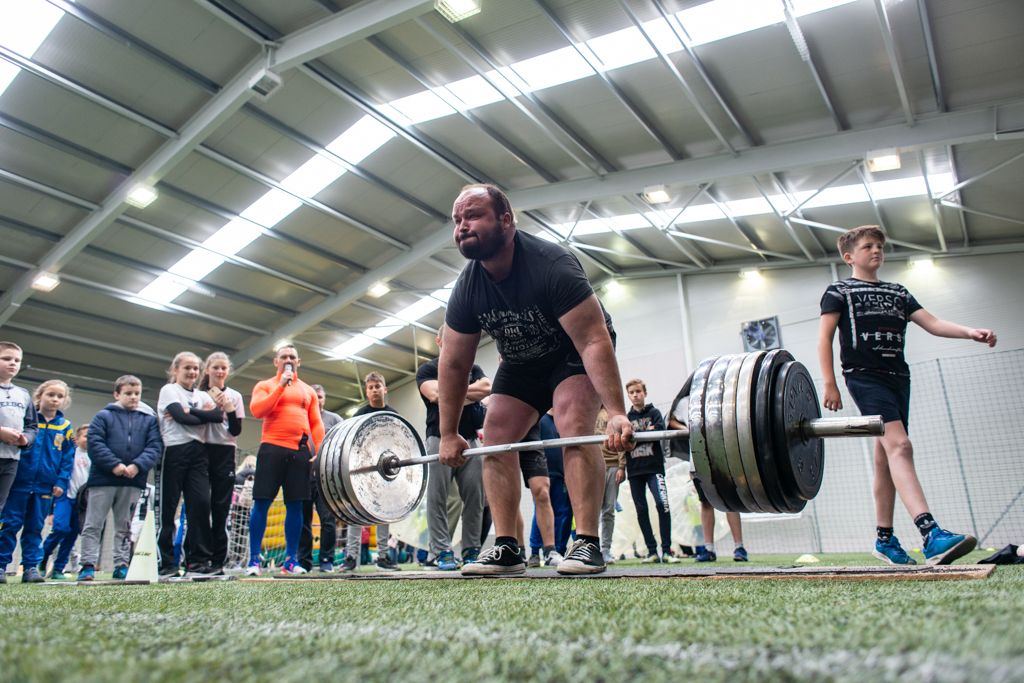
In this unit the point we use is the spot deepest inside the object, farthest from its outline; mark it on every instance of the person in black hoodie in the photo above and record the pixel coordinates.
(124, 444)
(645, 467)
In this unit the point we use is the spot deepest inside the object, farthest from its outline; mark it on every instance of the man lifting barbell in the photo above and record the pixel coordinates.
(533, 298)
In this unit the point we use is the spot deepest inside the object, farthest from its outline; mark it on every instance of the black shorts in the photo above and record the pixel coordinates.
(888, 396)
(534, 383)
(278, 467)
(533, 464)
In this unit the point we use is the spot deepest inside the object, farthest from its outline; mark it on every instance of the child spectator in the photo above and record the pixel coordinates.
(43, 474)
(645, 467)
(871, 317)
(17, 419)
(124, 444)
(66, 522)
(183, 413)
(220, 450)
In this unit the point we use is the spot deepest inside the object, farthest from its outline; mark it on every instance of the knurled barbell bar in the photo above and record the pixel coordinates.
(755, 433)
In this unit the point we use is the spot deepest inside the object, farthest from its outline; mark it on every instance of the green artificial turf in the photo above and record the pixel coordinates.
(593, 630)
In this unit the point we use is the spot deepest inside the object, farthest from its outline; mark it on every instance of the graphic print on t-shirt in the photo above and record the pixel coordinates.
(872, 323)
(522, 335)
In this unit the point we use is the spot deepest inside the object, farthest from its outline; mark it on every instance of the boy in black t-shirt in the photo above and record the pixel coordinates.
(871, 317)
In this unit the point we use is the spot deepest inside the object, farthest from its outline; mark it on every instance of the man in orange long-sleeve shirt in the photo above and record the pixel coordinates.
(292, 432)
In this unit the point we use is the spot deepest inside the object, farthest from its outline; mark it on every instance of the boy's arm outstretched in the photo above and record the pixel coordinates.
(945, 328)
(826, 333)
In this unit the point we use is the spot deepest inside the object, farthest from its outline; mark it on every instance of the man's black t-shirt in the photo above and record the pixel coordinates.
(647, 457)
(521, 312)
(370, 409)
(872, 324)
(472, 415)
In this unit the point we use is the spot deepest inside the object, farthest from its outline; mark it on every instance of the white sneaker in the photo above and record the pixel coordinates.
(651, 559)
(554, 559)
(670, 559)
(252, 570)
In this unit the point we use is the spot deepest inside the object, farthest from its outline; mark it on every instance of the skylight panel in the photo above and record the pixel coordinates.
(802, 7)
(414, 312)
(383, 331)
(353, 346)
(473, 92)
(621, 48)
(719, 19)
(236, 235)
(163, 289)
(271, 208)
(552, 68)
(361, 140)
(196, 265)
(24, 27)
(314, 175)
(423, 106)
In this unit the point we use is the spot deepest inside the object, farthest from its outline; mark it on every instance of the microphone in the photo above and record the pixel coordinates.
(289, 371)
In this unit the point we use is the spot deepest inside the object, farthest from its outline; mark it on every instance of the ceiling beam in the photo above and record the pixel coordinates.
(849, 146)
(345, 27)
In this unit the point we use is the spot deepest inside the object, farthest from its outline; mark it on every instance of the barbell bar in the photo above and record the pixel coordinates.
(755, 437)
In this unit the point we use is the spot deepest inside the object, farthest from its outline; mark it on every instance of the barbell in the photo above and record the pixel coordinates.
(755, 434)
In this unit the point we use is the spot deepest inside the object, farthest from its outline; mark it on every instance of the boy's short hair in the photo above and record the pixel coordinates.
(634, 382)
(374, 377)
(848, 240)
(4, 345)
(126, 380)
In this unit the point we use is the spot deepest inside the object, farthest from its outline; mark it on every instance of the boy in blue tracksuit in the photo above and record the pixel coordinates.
(66, 522)
(43, 474)
(124, 444)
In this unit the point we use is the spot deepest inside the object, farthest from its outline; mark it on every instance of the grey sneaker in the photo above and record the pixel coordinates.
(32, 575)
(533, 562)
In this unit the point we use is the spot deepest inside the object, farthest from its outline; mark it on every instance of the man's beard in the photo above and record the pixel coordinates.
(481, 249)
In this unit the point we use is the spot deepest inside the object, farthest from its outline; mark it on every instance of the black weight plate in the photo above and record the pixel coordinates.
(767, 460)
(801, 460)
(330, 466)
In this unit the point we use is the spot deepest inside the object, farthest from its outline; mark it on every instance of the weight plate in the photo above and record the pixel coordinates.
(801, 460)
(698, 443)
(330, 470)
(767, 459)
(745, 429)
(714, 398)
(351, 514)
(383, 499)
(731, 437)
(359, 515)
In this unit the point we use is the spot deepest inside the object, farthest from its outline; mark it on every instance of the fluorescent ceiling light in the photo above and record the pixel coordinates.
(883, 160)
(142, 195)
(45, 282)
(613, 288)
(378, 290)
(750, 274)
(922, 263)
(457, 10)
(657, 194)
(25, 25)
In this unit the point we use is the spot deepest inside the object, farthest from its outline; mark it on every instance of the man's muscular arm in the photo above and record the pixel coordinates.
(586, 326)
(456, 361)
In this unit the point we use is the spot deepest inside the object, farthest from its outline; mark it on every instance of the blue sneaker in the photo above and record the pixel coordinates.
(943, 547)
(87, 573)
(740, 554)
(705, 555)
(120, 573)
(470, 555)
(892, 552)
(446, 561)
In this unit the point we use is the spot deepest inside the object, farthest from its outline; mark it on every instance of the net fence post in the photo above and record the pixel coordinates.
(956, 445)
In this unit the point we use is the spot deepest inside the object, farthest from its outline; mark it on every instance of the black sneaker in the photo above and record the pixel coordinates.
(498, 560)
(385, 564)
(350, 564)
(582, 557)
(168, 572)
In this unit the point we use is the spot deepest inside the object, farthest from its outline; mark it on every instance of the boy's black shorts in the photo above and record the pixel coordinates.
(278, 467)
(885, 395)
(533, 464)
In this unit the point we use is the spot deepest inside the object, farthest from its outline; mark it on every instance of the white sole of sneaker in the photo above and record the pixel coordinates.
(493, 570)
(884, 558)
(578, 568)
(955, 553)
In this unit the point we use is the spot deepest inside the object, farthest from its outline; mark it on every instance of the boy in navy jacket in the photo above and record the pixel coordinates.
(43, 474)
(124, 444)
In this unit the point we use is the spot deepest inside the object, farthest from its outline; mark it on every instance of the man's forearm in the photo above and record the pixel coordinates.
(603, 371)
